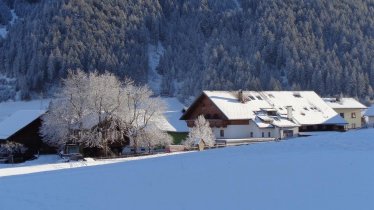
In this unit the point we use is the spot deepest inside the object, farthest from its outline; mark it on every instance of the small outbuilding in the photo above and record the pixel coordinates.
(349, 109)
(369, 117)
(200, 144)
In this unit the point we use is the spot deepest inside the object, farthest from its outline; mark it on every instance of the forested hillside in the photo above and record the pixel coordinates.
(323, 45)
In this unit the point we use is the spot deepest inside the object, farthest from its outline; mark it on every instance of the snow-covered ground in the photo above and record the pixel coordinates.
(170, 121)
(332, 171)
(154, 54)
(54, 162)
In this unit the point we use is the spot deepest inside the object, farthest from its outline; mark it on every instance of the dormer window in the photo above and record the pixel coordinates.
(251, 97)
(297, 95)
(271, 113)
(259, 97)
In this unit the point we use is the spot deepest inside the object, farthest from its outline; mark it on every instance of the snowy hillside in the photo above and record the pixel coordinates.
(154, 54)
(172, 114)
(332, 171)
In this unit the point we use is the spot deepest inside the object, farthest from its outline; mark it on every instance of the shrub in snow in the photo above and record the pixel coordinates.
(201, 131)
(12, 148)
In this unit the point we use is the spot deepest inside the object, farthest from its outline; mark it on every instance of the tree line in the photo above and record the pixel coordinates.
(322, 45)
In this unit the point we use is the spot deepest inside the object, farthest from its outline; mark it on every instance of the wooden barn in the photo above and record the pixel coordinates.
(20, 122)
(23, 127)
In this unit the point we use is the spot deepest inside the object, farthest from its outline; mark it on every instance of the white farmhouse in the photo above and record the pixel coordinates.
(263, 115)
(349, 109)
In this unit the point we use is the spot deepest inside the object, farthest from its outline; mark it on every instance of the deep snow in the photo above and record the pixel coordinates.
(332, 171)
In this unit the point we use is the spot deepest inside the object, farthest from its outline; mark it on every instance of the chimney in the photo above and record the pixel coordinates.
(289, 112)
(240, 96)
(339, 98)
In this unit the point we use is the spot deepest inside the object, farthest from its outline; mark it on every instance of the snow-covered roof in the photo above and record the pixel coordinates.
(9, 108)
(17, 121)
(14, 115)
(344, 103)
(261, 124)
(197, 141)
(88, 121)
(370, 111)
(229, 104)
(308, 108)
(265, 121)
(171, 120)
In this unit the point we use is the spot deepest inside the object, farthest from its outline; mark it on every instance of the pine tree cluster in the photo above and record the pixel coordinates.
(322, 45)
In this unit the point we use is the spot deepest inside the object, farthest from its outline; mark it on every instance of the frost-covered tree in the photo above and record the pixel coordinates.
(95, 110)
(152, 137)
(84, 111)
(138, 110)
(200, 131)
(12, 148)
(56, 128)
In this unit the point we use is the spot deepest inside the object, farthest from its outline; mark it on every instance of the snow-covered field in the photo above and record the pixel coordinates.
(54, 162)
(332, 171)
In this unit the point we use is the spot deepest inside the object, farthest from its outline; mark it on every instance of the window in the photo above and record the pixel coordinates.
(253, 98)
(353, 125)
(297, 95)
(222, 133)
(341, 115)
(272, 113)
(251, 134)
(269, 134)
(306, 109)
(353, 114)
(259, 97)
(263, 134)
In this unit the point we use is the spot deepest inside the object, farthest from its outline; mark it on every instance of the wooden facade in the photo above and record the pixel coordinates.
(216, 118)
(30, 137)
